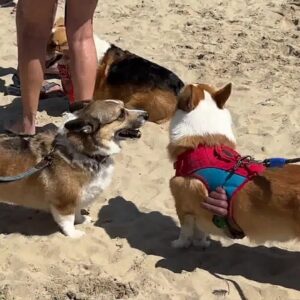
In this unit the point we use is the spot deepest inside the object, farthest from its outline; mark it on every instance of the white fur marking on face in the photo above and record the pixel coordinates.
(66, 223)
(101, 47)
(205, 119)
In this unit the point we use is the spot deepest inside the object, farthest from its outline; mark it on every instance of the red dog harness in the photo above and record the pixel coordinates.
(220, 166)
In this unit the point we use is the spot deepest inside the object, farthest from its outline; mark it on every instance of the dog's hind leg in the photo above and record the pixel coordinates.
(200, 239)
(186, 233)
(66, 222)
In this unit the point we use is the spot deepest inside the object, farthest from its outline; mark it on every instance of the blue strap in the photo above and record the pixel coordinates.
(276, 162)
(215, 177)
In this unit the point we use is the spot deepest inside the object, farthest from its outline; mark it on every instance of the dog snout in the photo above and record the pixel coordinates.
(139, 116)
(142, 114)
(145, 115)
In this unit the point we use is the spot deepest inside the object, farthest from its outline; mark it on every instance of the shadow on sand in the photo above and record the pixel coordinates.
(29, 222)
(153, 232)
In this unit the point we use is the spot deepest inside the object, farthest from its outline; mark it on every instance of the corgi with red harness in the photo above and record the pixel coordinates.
(264, 203)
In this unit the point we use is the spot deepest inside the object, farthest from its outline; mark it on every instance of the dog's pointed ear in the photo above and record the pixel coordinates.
(222, 95)
(189, 97)
(80, 125)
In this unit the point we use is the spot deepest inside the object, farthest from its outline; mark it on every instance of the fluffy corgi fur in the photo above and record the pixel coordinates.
(267, 208)
(140, 83)
(82, 164)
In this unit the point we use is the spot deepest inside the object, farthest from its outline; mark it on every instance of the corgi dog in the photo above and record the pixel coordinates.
(264, 203)
(81, 156)
(140, 83)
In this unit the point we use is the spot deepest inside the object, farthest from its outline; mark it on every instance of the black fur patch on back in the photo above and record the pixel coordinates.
(141, 72)
(16, 143)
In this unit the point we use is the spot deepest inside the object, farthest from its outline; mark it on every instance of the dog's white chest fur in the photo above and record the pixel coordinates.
(98, 184)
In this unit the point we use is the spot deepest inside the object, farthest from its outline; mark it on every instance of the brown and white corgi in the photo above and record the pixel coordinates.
(266, 208)
(140, 83)
(81, 162)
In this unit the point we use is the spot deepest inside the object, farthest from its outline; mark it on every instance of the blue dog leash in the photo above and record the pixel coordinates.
(279, 162)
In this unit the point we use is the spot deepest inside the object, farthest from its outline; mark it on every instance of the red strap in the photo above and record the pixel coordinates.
(221, 157)
(66, 82)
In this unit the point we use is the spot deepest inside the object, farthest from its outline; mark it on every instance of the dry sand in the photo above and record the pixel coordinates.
(126, 252)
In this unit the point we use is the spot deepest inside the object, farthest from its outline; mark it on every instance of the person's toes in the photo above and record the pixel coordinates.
(17, 128)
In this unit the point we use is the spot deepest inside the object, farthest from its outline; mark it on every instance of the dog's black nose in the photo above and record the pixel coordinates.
(145, 115)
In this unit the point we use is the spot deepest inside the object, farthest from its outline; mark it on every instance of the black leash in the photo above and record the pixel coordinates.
(53, 61)
(44, 163)
(69, 151)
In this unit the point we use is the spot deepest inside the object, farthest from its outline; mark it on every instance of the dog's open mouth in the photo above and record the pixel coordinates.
(127, 133)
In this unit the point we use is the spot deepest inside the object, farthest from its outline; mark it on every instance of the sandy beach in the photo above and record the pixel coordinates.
(126, 253)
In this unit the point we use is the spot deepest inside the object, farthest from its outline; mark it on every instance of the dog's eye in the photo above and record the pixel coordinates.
(122, 114)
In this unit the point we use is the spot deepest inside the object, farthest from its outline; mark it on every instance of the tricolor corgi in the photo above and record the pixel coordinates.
(138, 82)
(79, 162)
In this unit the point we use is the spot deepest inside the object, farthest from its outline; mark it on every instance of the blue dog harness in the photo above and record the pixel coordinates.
(220, 166)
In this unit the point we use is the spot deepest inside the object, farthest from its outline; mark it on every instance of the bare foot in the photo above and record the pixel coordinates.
(20, 128)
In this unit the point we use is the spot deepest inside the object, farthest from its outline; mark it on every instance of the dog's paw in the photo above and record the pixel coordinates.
(87, 220)
(180, 243)
(76, 234)
(201, 243)
(82, 219)
(68, 116)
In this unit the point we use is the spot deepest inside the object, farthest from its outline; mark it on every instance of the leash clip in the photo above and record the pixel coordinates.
(243, 160)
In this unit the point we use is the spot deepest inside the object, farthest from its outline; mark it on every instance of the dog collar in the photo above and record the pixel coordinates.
(67, 149)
